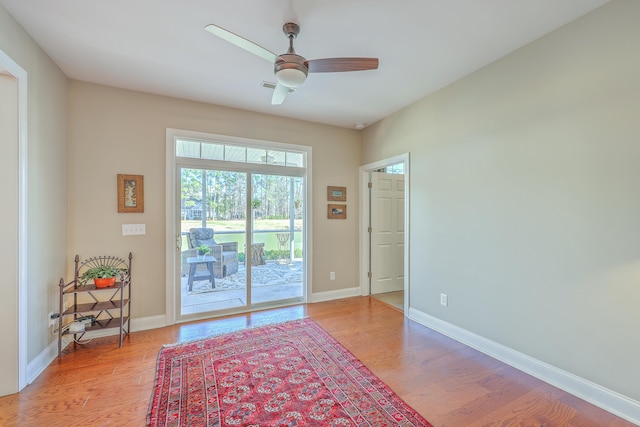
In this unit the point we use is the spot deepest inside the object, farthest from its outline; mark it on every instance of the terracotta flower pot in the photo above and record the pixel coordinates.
(105, 282)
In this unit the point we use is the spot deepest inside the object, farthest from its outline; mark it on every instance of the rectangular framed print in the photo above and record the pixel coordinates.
(337, 194)
(130, 193)
(336, 211)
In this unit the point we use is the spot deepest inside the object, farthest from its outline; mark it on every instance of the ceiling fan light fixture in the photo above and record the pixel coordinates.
(291, 77)
(291, 69)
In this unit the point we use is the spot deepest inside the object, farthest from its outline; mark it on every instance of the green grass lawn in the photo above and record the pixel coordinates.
(270, 239)
(239, 225)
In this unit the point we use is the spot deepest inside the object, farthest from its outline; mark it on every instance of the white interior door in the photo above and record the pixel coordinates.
(387, 232)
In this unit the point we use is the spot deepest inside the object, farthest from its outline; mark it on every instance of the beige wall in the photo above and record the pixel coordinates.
(115, 131)
(525, 204)
(46, 189)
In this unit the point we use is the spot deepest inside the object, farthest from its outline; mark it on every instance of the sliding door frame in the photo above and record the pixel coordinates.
(172, 198)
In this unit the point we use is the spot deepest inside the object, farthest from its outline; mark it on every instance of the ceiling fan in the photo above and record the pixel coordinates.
(291, 69)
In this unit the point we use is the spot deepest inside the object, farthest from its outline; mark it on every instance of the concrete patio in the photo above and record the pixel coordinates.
(274, 281)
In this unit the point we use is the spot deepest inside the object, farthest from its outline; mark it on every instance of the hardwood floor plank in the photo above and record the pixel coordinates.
(447, 382)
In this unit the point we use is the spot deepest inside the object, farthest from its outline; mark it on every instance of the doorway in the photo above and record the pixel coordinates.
(13, 125)
(250, 259)
(213, 206)
(239, 225)
(385, 230)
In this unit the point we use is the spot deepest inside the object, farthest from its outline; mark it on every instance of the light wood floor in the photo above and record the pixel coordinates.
(448, 383)
(394, 299)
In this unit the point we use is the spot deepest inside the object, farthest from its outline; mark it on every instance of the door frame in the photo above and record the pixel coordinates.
(20, 75)
(365, 249)
(171, 250)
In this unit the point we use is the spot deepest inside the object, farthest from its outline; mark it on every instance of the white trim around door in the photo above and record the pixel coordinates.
(365, 250)
(172, 195)
(20, 74)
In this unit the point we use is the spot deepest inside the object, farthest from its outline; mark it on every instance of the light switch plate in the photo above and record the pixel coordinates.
(133, 229)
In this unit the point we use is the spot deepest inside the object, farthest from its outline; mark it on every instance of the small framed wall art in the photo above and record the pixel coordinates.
(130, 193)
(337, 211)
(336, 194)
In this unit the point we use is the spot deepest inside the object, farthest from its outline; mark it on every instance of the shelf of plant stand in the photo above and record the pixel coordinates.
(107, 323)
(96, 306)
(100, 324)
(90, 287)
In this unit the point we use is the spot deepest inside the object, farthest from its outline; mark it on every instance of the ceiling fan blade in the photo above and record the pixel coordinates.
(333, 65)
(279, 94)
(241, 42)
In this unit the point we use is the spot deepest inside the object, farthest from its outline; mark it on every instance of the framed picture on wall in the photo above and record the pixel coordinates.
(337, 211)
(337, 194)
(130, 193)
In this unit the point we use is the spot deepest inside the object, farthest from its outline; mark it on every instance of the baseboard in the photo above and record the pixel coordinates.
(611, 401)
(49, 354)
(331, 295)
(41, 361)
(137, 324)
(149, 322)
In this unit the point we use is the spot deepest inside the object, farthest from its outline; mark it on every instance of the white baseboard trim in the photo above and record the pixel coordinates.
(41, 361)
(611, 401)
(331, 295)
(149, 322)
(137, 324)
(49, 354)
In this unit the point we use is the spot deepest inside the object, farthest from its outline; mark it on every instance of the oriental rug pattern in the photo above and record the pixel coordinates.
(288, 374)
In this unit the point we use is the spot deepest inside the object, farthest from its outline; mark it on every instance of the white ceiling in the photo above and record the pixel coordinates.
(159, 46)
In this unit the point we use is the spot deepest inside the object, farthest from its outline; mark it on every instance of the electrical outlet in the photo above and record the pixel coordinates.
(444, 300)
(53, 318)
(332, 275)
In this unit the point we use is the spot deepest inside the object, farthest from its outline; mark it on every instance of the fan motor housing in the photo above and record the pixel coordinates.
(288, 68)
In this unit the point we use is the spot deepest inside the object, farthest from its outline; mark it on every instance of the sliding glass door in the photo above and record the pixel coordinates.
(240, 224)
(277, 234)
(239, 252)
(213, 231)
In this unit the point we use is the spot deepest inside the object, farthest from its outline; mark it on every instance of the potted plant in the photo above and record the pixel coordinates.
(203, 250)
(103, 276)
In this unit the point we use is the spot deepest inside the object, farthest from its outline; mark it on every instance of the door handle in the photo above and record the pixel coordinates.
(178, 241)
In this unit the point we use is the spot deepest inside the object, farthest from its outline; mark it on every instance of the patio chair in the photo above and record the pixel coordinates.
(226, 254)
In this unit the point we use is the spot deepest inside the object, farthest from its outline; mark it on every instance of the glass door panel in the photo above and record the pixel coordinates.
(276, 255)
(212, 217)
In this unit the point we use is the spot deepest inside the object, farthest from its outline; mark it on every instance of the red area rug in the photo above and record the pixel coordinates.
(288, 374)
